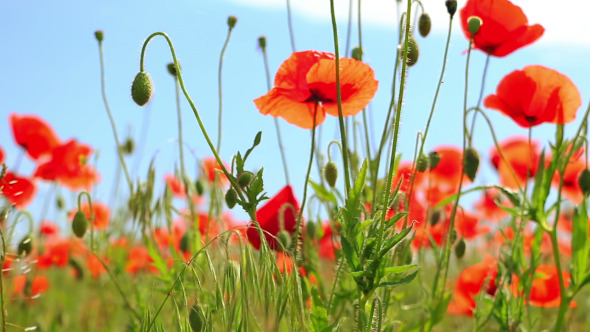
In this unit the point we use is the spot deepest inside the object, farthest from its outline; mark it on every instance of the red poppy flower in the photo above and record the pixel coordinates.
(212, 169)
(57, 252)
(282, 204)
(1, 155)
(34, 135)
(445, 177)
(48, 228)
(19, 191)
(95, 266)
(535, 95)
(545, 291)
(69, 166)
(469, 284)
(505, 27)
(102, 214)
(487, 206)
(175, 185)
(310, 76)
(38, 285)
(571, 189)
(468, 225)
(521, 158)
(139, 258)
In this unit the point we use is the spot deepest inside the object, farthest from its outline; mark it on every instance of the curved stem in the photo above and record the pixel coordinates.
(219, 88)
(106, 105)
(483, 81)
(290, 23)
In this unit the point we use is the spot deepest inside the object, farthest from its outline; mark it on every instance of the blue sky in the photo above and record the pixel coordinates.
(50, 66)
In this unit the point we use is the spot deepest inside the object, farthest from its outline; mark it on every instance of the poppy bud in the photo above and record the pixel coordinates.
(422, 163)
(59, 202)
(435, 217)
(357, 53)
(25, 245)
(128, 146)
(80, 224)
(473, 25)
(470, 163)
(99, 35)
(451, 7)
(142, 88)
(284, 239)
(196, 318)
(460, 249)
(231, 198)
(231, 21)
(584, 181)
(244, 179)
(331, 173)
(199, 187)
(262, 42)
(424, 24)
(172, 69)
(413, 51)
(434, 159)
(311, 230)
(185, 242)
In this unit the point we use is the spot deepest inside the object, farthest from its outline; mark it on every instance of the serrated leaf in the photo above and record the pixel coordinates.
(401, 281)
(390, 222)
(352, 206)
(394, 240)
(323, 194)
(399, 269)
(580, 244)
(319, 315)
(350, 254)
(538, 187)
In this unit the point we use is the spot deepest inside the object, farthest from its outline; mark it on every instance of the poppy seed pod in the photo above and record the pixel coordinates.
(424, 24)
(451, 7)
(128, 146)
(231, 198)
(434, 158)
(413, 51)
(460, 249)
(196, 318)
(244, 179)
(199, 187)
(422, 163)
(331, 173)
(99, 35)
(262, 42)
(473, 25)
(185, 242)
(357, 53)
(25, 246)
(470, 163)
(231, 21)
(284, 239)
(142, 88)
(584, 181)
(80, 224)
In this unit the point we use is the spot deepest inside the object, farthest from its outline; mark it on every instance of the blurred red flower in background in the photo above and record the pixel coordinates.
(1, 155)
(175, 185)
(469, 284)
(545, 291)
(522, 159)
(536, 95)
(212, 169)
(310, 76)
(19, 191)
(284, 204)
(505, 27)
(102, 214)
(69, 166)
(34, 135)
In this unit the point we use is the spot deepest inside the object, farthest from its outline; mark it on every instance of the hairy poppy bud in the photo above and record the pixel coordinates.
(413, 51)
(25, 246)
(584, 181)
(231, 198)
(142, 88)
(331, 173)
(451, 7)
(172, 69)
(80, 224)
(199, 187)
(424, 24)
(244, 179)
(231, 21)
(422, 163)
(311, 229)
(473, 25)
(262, 42)
(185, 242)
(196, 318)
(357, 53)
(128, 146)
(470, 163)
(434, 159)
(460, 249)
(284, 239)
(99, 35)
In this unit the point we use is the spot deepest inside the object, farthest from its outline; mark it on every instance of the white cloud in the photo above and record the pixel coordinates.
(565, 21)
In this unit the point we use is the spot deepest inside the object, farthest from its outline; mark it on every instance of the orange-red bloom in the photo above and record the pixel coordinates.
(571, 189)
(34, 135)
(545, 291)
(283, 206)
(310, 76)
(535, 95)
(1, 155)
(505, 27)
(69, 166)
(470, 282)
(522, 159)
(102, 214)
(19, 191)
(175, 185)
(212, 169)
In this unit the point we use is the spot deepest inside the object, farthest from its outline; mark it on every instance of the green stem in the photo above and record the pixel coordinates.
(483, 81)
(290, 23)
(339, 99)
(348, 28)
(2, 260)
(219, 88)
(106, 105)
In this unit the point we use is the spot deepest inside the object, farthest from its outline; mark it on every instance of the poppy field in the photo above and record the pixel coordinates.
(370, 239)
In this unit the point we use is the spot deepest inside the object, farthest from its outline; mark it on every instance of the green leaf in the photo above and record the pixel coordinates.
(353, 203)
(511, 195)
(394, 240)
(537, 197)
(580, 244)
(350, 254)
(441, 309)
(159, 262)
(323, 194)
(394, 219)
(319, 315)
(401, 281)
(399, 269)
